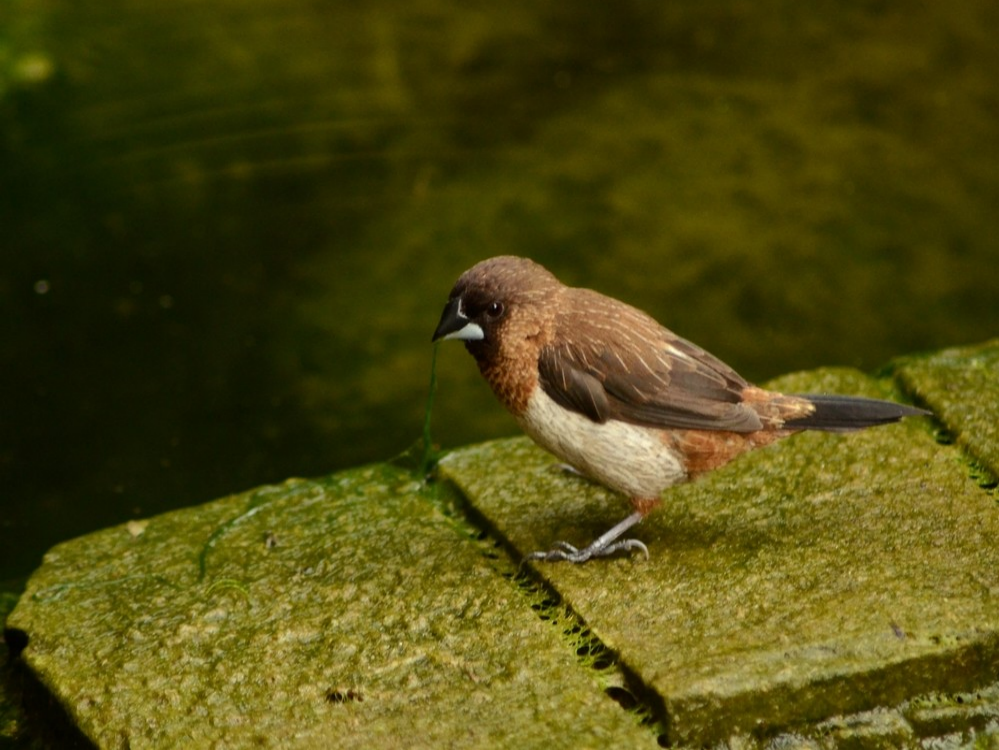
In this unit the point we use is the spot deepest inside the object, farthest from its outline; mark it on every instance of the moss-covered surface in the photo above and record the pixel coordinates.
(961, 385)
(349, 612)
(828, 591)
(827, 575)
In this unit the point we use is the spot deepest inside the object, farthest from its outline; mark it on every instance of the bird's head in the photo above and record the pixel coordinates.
(500, 300)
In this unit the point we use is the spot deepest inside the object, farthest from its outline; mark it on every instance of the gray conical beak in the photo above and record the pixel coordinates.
(456, 325)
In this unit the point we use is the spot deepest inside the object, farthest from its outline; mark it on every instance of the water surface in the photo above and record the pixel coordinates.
(228, 227)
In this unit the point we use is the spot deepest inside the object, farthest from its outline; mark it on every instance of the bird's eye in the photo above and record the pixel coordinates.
(495, 309)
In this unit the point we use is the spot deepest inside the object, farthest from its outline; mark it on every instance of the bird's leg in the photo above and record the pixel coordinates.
(605, 544)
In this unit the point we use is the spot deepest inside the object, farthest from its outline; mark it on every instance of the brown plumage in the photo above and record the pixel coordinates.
(616, 395)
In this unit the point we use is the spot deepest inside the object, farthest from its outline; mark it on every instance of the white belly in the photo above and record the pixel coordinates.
(622, 456)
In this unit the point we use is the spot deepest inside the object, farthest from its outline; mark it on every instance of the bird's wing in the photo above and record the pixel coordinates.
(608, 360)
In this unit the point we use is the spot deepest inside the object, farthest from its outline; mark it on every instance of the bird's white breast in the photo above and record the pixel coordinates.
(625, 457)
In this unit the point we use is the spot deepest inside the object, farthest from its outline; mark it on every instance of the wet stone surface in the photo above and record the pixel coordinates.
(826, 575)
(348, 612)
(828, 591)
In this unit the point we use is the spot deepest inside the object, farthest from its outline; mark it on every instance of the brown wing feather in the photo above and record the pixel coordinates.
(609, 360)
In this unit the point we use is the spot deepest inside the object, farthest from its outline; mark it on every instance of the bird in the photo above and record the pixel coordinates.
(617, 396)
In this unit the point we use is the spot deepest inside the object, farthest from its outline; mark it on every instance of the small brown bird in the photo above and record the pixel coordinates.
(616, 395)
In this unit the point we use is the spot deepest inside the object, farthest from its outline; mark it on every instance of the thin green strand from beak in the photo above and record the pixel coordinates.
(429, 458)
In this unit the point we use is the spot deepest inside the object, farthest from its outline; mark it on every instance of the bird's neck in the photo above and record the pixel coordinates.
(513, 376)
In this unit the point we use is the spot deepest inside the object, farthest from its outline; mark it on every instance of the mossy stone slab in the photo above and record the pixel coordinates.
(346, 612)
(961, 385)
(824, 575)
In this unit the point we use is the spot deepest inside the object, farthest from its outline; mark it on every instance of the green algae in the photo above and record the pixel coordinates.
(826, 575)
(339, 612)
(828, 591)
(429, 456)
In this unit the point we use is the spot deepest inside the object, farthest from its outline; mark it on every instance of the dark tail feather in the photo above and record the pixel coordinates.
(843, 413)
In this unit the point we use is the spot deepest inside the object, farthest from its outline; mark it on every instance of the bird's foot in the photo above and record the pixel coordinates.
(606, 544)
(563, 551)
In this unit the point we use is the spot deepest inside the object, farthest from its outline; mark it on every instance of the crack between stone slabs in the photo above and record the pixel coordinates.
(978, 470)
(619, 683)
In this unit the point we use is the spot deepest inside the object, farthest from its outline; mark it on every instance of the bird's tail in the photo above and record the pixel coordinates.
(845, 413)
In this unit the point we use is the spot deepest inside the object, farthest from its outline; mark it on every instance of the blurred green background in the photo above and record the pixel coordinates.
(227, 228)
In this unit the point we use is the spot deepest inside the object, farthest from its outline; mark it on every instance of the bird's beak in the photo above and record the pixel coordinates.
(456, 325)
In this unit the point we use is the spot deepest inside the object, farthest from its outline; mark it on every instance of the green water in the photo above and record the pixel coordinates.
(227, 228)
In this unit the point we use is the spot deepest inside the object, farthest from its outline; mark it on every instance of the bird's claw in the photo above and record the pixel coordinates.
(563, 551)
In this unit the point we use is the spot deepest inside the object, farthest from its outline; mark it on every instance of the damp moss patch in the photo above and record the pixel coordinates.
(347, 612)
(825, 575)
